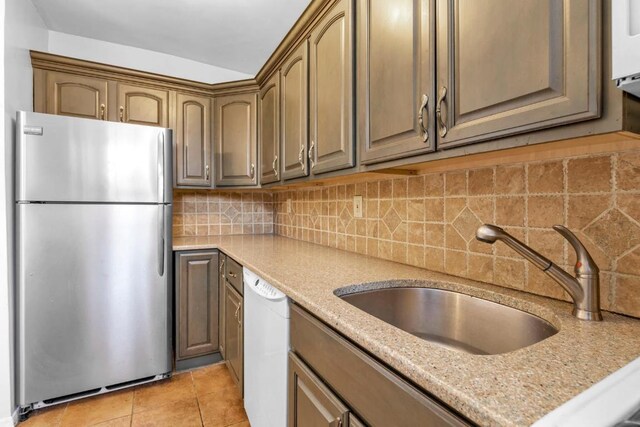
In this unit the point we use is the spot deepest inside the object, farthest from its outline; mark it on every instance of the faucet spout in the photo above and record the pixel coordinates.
(584, 289)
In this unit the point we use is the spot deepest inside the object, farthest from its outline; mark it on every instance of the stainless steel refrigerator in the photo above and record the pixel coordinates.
(93, 246)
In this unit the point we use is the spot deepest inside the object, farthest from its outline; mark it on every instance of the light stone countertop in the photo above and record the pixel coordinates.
(511, 389)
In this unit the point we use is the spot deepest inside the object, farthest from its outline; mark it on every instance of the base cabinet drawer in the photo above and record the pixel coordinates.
(377, 395)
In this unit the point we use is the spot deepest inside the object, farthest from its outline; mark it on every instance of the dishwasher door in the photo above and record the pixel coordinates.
(266, 344)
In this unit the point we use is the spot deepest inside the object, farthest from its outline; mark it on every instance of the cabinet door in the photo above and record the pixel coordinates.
(78, 96)
(331, 81)
(294, 112)
(221, 303)
(504, 70)
(143, 105)
(233, 333)
(396, 78)
(235, 141)
(311, 403)
(197, 304)
(269, 130)
(193, 140)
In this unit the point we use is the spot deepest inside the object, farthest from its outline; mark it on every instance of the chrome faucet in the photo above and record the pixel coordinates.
(584, 289)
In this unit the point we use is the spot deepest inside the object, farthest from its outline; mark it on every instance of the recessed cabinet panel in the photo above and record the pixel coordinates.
(491, 83)
(234, 353)
(235, 139)
(197, 304)
(269, 130)
(143, 105)
(331, 74)
(294, 112)
(396, 78)
(193, 140)
(78, 96)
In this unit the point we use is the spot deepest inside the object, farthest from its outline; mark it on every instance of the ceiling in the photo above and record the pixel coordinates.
(236, 34)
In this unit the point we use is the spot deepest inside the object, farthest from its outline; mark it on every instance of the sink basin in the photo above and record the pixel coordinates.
(454, 320)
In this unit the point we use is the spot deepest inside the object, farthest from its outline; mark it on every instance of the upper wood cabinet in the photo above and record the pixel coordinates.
(396, 78)
(269, 130)
(294, 113)
(331, 91)
(192, 137)
(143, 105)
(74, 95)
(197, 304)
(504, 70)
(235, 139)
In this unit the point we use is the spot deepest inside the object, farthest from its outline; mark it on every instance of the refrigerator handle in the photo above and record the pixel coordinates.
(161, 240)
(161, 167)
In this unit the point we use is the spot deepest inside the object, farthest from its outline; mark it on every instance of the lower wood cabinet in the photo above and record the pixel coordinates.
(221, 301)
(311, 403)
(196, 304)
(233, 334)
(331, 382)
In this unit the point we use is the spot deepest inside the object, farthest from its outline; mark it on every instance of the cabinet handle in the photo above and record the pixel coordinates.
(337, 422)
(221, 268)
(232, 274)
(239, 317)
(424, 124)
(311, 152)
(206, 172)
(275, 166)
(102, 109)
(237, 313)
(301, 157)
(441, 121)
(121, 113)
(252, 172)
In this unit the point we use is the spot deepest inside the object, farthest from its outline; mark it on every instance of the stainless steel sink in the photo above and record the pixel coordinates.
(454, 320)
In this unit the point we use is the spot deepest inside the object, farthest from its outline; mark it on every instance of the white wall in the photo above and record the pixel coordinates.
(138, 59)
(23, 30)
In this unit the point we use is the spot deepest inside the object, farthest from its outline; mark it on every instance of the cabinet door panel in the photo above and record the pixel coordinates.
(78, 96)
(197, 304)
(143, 105)
(234, 334)
(311, 404)
(396, 71)
(331, 75)
(193, 140)
(269, 130)
(510, 70)
(294, 114)
(235, 141)
(221, 304)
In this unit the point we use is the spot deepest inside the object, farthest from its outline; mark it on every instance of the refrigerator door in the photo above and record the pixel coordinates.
(68, 159)
(93, 296)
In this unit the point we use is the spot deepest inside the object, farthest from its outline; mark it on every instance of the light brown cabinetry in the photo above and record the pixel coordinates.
(192, 137)
(366, 387)
(235, 139)
(196, 304)
(75, 95)
(233, 332)
(396, 78)
(294, 113)
(311, 403)
(269, 130)
(143, 105)
(330, 84)
(504, 70)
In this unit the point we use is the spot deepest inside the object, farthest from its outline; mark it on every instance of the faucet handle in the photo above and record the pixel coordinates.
(585, 265)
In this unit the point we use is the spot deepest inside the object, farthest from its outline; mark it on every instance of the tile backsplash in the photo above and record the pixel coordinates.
(207, 212)
(430, 221)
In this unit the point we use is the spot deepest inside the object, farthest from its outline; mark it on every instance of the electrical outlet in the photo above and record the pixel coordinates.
(357, 206)
(289, 206)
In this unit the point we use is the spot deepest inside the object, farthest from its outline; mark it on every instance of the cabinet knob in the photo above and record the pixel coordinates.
(102, 110)
(121, 113)
(441, 120)
(424, 124)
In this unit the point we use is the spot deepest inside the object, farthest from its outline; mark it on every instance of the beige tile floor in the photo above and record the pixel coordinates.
(203, 397)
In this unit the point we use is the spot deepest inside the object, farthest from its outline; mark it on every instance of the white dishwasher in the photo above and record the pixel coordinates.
(266, 344)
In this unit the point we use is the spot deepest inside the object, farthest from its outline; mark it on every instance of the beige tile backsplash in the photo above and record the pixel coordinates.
(430, 221)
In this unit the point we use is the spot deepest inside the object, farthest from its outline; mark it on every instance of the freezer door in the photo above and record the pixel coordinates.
(93, 296)
(68, 159)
